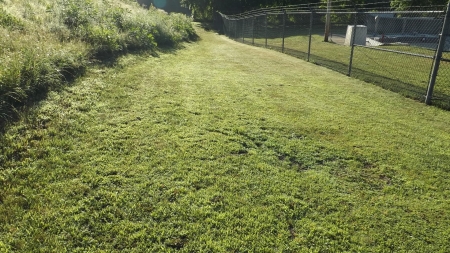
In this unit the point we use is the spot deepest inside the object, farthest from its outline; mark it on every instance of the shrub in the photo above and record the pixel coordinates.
(104, 40)
(139, 31)
(183, 25)
(9, 21)
(171, 29)
(65, 33)
(77, 14)
(27, 72)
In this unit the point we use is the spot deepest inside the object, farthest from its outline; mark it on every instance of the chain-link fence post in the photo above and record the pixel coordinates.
(235, 29)
(352, 44)
(225, 30)
(438, 56)
(265, 28)
(311, 21)
(243, 30)
(284, 30)
(253, 30)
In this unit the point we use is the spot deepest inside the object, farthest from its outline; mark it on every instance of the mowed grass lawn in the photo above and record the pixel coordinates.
(224, 147)
(402, 73)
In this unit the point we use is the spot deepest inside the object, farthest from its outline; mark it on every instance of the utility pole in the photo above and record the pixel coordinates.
(328, 21)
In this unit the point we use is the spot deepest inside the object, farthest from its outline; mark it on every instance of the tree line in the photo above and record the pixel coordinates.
(205, 9)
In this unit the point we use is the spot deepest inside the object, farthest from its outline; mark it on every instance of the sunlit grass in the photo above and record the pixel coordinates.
(403, 73)
(223, 147)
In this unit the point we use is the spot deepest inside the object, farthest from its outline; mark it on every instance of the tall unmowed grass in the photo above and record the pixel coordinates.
(44, 44)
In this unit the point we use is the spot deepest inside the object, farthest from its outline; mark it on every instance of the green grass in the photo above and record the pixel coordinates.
(222, 147)
(405, 74)
(69, 35)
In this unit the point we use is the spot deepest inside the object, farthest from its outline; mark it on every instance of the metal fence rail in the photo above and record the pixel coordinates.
(402, 51)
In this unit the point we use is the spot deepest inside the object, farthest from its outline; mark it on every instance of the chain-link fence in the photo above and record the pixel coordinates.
(393, 49)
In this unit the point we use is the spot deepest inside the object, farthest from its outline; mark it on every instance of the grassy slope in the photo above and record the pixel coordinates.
(69, 35)
(225, 147)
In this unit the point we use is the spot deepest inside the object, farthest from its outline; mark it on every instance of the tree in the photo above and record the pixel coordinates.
(167, 5)
(406, 4)
(205, 9)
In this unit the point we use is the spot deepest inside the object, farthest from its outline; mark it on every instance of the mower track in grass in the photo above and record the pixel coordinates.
(224, 147)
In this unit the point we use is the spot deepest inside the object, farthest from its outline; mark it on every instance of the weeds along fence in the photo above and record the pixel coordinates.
(402, 51)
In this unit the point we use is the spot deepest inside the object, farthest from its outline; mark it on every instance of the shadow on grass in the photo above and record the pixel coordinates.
(207, 26)
(408, 90)
(11, 110)
(216, 25)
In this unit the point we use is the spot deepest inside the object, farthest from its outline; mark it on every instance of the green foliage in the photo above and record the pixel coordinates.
(182, 27)
(9, 21)
(31, 72)
(172, 28)
(406, 4)
(66, 34)
(77, 14)
(141, 30)
(204, 10)
(116, 15)
(117, 29)
(104, 40)
(98, 25)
